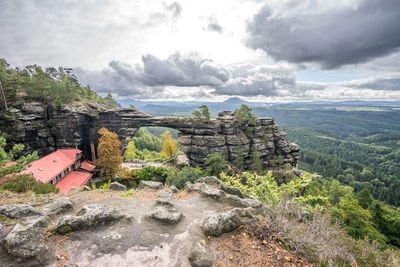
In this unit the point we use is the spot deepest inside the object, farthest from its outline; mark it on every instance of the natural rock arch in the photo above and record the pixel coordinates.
(46, 129)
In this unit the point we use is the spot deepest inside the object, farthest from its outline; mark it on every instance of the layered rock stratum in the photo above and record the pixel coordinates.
(45, 129)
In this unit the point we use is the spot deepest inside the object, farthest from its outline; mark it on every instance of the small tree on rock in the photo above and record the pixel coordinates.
(243, 116)
(109, 154)
(202, 114)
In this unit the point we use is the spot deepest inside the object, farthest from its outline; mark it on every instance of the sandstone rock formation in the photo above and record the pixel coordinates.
(161, 229)
(19, 211)
(45, 129)
(26, 240)
(200, 255)
(228, 221)
(117, 186)
(59, 206)
(89, 216)
(164, 210)
(150, 184)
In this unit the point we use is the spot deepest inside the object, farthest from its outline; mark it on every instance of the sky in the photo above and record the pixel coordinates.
(259, 50)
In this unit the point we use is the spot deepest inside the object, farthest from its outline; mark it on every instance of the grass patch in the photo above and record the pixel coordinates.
(130, 193)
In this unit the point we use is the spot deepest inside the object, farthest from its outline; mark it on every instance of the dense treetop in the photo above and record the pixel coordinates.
(49, 85)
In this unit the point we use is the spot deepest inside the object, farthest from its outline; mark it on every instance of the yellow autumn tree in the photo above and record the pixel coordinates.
(130, 152)
(109, 154)
(170, 146)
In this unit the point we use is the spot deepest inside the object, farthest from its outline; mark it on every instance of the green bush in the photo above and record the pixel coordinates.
(215, 164)
(152, 173)
(25, 183)
(186, 174)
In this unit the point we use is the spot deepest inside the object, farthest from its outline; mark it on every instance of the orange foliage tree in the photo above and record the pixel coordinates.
(109, 154)
(170, 146)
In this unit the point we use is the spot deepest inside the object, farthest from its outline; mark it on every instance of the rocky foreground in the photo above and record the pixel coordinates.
(208, 224)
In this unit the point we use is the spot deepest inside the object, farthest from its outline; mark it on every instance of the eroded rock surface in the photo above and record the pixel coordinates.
(167, 230)
(211, 192)
(200, 255)
(19, 211)
(165, 212)
(26, 240)
(89, 216)
(117, 186)
(150, 184)
(45, 129)
(59, 206)
(228, 221)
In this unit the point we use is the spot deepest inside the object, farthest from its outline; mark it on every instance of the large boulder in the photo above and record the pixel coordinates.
(174, 189)
(228, 221)
(243, 202)
(18, 211)
(164, 210)
(89, 216)
(26, 240)
(150, 184)
(210, 180)
(231, 190)
(59, 206)
(200, 255)
(117, 186)
(210, 192)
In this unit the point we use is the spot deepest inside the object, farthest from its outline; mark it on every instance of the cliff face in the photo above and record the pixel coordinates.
(46, 129)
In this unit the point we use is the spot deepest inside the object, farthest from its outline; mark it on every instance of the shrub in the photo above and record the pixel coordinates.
(186, 174)
(25, 183)
(215, 164)
(152, 173)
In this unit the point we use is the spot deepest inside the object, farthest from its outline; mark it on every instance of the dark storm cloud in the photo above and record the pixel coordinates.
(387, 83)
(154, 74)
(249, 80)
(175, 8)
(331, 38)
(214, 27)
(179, 70)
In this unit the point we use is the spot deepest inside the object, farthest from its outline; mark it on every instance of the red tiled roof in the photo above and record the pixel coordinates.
(48, 167)
(87, 166)
(73, 179)
(8, 164)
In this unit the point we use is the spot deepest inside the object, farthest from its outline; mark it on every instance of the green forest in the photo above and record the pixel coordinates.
(57, 86)
(148, 144)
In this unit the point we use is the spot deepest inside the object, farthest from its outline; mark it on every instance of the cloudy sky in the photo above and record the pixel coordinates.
(259, 50)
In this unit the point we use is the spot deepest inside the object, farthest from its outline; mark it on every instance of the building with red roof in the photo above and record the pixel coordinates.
(62, 168)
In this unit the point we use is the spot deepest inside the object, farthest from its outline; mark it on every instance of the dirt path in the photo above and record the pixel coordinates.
(133, 166)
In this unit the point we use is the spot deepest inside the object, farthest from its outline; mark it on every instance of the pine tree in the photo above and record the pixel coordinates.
(256, 162)
(215, 164)
(364, 198)
(109, 154)
(239, 161)
(202, 114)
(58, 103)
(169, 145)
